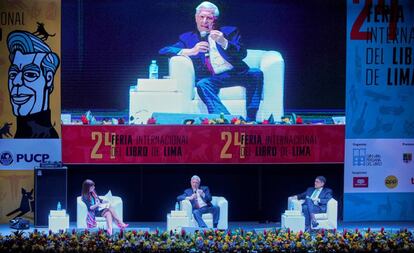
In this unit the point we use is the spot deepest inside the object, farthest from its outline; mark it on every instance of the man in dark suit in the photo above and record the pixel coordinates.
(316, 199)
(217, 55)
(200, 199)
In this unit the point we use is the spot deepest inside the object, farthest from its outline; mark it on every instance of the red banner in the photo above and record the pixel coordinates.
(158, 144)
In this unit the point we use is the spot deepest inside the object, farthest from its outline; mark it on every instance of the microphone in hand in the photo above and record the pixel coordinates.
(204, 37)
(194, 196)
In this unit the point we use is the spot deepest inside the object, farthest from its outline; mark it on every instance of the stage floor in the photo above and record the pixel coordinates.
(248, 226)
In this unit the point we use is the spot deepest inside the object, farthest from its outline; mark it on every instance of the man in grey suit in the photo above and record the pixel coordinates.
(316, 199)
(200, 199)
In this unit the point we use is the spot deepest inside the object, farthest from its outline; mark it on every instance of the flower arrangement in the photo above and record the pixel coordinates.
(222, 120)
(238, 240)
(152, 121)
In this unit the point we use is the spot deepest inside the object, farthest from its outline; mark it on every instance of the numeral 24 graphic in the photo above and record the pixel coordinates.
(107, 142)
(357, 34)
(238, 141)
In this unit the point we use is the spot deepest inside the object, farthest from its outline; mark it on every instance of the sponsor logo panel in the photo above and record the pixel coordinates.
(391, 182)
(360, 182)
(407, 157)
(21, 154)
(360, 157)
(7, 158)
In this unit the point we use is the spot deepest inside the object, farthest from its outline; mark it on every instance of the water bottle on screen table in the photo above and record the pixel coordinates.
(177, 206)
(59, 206)
(153, 70)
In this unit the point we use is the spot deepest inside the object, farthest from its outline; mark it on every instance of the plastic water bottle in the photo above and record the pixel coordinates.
(59, 206)
(153, 70)
(177, 206)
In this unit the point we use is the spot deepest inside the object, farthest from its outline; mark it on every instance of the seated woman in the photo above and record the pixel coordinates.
(96, 208)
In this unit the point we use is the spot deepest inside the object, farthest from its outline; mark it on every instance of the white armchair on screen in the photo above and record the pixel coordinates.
(221, 202)
(270, 63)
(82, 211)
(328, 220)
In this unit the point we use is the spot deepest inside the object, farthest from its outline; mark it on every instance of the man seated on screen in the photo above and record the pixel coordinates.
(200, 199)
(316, 199)
(217, 54)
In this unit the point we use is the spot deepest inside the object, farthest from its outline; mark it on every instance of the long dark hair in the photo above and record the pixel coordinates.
(85, 188)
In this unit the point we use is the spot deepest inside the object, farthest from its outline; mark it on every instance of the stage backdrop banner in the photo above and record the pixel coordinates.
(202, 144)
(16, 195)
(379, 171)
(30, 44)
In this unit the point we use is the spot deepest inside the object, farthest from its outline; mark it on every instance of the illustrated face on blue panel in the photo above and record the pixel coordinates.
(29, 86)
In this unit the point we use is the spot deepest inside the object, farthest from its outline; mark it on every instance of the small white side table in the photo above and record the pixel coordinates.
(175, 223)
(296, 223)
(58, 220)
(154, 95)
(101, 222)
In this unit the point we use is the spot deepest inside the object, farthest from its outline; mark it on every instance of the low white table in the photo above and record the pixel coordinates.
(58, 220)
(295, 223)
(154, 95)
(101, 222)
(175, 223)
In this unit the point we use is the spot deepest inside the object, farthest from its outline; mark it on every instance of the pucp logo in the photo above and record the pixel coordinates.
(6, 158)
(391, 182)
(360, 182)
(28, 158)
(407, 157)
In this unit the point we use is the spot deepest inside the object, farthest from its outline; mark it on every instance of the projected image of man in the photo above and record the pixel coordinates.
(217, 54)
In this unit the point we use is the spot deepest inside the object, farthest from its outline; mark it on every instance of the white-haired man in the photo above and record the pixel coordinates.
(217, 54)
(200, 199)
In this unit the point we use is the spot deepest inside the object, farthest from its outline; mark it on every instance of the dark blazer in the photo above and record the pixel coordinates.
(324, 196)
(188, 192)
(92, 214)
(234, 54)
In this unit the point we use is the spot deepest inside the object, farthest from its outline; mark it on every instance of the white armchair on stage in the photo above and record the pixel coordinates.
(221, 202)
(82, 211)
(179, 95)
(328, 220)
